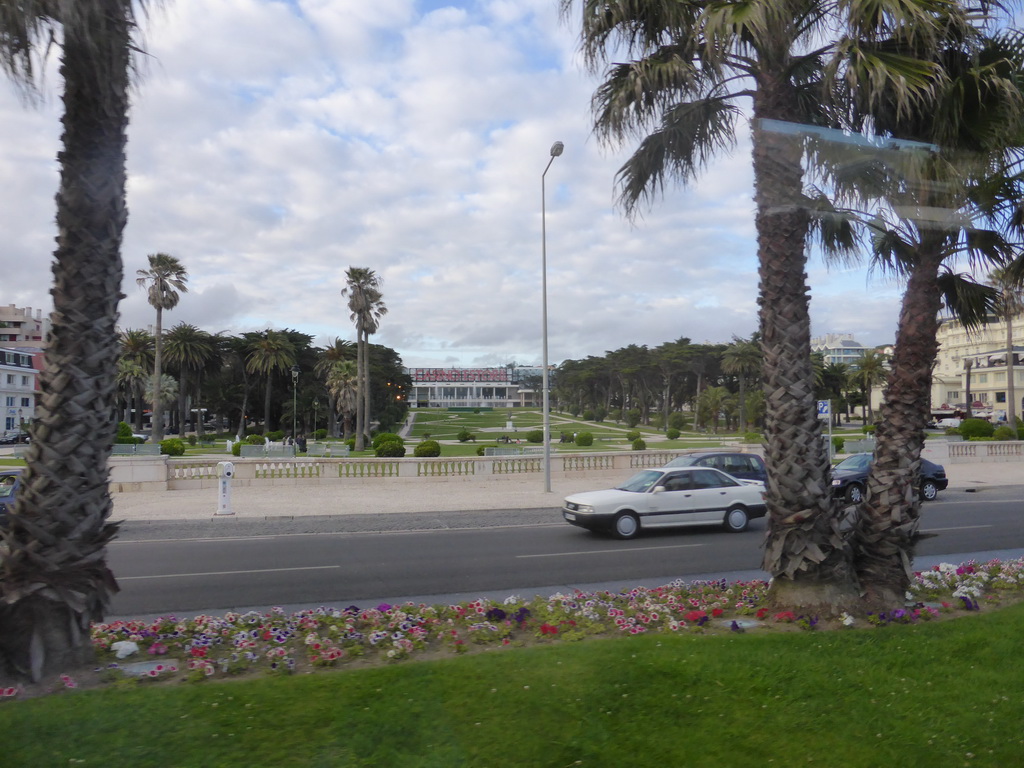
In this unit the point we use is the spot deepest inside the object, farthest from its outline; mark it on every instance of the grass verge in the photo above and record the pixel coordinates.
(934, 694)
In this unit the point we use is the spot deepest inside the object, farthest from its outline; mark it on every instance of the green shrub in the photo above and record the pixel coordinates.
(320, 434)
(351, 443)
(123, 429)
(584, 438)
(255, 440)
(838, 444)
(971, 428)
(236, 448)
(752, 437)
(192, 439)
(633, 434)
(615, 414)
(600, 413)
(981, 439)
(465, 436)
(588, 415)
(1020, 433)
(672, 433)
(868, 429)
(276, 436)
(125, 436)
(632, 417)
(427, 449)
(481, 450)
(952, 431)
(639, 445)
(535, 436)
(172, 446)
(1004, 432)
(386, 437)
(389, 449)
(676, 420)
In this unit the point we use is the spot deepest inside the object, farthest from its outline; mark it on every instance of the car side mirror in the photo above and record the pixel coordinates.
(658, 489)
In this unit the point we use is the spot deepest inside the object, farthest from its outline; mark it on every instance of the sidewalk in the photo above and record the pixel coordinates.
(457, 494)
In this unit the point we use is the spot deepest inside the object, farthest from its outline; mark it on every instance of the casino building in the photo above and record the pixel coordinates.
(506, 387)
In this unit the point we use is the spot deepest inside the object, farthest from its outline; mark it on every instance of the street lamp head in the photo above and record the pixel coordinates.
(556, 148)
(295, 372)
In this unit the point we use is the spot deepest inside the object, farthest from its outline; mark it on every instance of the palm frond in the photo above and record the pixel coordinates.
(970, 302)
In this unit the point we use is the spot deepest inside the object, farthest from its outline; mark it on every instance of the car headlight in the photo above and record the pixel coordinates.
(585, 509)
(837, 482)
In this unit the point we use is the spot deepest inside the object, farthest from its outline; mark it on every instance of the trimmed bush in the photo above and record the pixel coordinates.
(236, 448)
(172, 446)
(428, 449)
(672, 433)
(751, 437)
(535, 436)
(971, 428)
(868, 429)
(276, 436)
(639, 445)
(837, 444)
(600, 413)
(256, 440)
(633, 434)
(465, 436)
(588, 415)
(390, 449)
(584, 438)
(192, 439)
(1005, 432)
(386, 437)
(615, 414)
(632, 417)
(481, 450)
(320, 434)
(676, 420)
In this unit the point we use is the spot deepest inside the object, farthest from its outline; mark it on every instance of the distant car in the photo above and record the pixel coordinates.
(849, 478)
(671, 497)
(10, 481)
(10, 438)
(745, 466)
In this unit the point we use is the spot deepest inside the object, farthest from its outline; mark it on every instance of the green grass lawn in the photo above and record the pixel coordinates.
(932, 694)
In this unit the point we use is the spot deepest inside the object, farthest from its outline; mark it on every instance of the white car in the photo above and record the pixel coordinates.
(670, 497)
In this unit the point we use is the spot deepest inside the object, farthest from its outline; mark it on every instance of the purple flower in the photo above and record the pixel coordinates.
(495, 614)
(383, 607)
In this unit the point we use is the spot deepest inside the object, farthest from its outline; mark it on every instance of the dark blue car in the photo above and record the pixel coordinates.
(850, 478)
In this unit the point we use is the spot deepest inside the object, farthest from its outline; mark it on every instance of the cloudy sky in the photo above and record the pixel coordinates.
(275, 144)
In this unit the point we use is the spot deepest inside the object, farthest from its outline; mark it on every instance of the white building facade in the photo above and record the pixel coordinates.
(21, 327)
(839, 348)
(18, 386)
(471, 387)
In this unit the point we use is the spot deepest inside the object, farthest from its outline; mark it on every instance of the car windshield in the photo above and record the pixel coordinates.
(641, 481)
(682, 461)
(856, 463)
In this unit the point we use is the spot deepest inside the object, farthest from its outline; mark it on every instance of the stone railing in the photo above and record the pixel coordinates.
(163, 473)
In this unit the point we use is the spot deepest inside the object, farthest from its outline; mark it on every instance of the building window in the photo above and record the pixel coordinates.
(983, 378)
(1000, 397)
(9, 422)
(11, 379)
(26, 402)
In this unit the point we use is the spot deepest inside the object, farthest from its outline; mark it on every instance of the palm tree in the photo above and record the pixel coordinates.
(367, 306)
(164, 278)
(191, 351)
(137, 349)
(130, 376)
(271, 352)
(343, 385)
(55, 577)
(336, 352)
(870, 371)
(742, 359)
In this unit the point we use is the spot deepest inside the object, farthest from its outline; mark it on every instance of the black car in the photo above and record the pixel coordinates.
(745, 466)
(849, 478)
(10, 480)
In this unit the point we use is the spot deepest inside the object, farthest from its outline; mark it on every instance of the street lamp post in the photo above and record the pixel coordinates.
(295, 390)
(556, 150)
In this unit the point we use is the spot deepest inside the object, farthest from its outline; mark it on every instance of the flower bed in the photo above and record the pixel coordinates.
(207, 647)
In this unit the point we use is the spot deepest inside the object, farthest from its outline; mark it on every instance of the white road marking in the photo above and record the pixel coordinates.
(226, 573)
(956, 528)
(607, 551)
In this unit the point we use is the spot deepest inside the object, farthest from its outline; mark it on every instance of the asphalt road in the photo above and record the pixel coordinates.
(217, 565)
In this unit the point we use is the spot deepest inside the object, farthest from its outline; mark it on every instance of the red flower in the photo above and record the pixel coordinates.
(198, 652)
(695, 615)
(762, 612)
(548, 629)
(717, 612)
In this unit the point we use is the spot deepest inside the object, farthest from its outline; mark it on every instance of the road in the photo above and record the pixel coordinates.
(214, 566)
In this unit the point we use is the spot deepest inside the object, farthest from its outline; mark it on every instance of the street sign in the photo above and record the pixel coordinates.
(824, 409)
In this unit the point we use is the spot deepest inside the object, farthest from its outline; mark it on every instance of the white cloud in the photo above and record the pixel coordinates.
(287, 141)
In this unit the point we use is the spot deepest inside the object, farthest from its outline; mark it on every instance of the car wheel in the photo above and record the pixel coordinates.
(854, 493)
(627, 525)
(929, 490)
(736, 520)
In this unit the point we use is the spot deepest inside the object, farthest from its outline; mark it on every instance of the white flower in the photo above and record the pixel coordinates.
(123, 648)
(847, 619)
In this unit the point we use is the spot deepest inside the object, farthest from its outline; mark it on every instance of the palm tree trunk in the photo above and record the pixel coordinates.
(266, 404)
(157, 418)
(804, 549)
(55, 577)
(1011, 395)
(887, 527)
(360, 358)
(366, 383)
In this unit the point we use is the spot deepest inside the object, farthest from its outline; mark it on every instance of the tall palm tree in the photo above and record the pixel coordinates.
(973, 110)
(869, 372)
(55, 578)
(137, 349)
(271, 352)
(129, 376)
(367, 307)
(191, 350)
(163, 280)
(742, 359)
